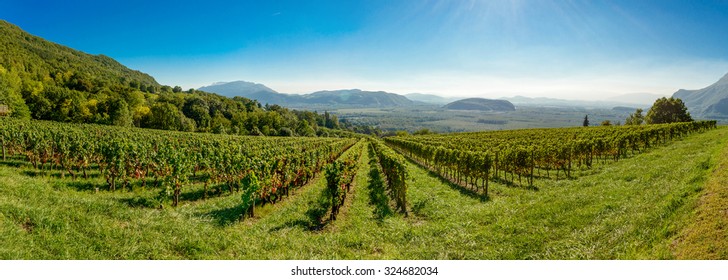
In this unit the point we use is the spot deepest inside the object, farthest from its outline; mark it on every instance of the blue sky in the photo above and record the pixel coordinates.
(565, 49)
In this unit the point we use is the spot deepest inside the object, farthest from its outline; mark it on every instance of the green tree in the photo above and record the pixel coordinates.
(10, 96)
(284, 131)
(586, 121)
(165, 116)
(305, 129)
(606, 123)
(668, 111)
(331, 121)
(636, 118)
(119, 113)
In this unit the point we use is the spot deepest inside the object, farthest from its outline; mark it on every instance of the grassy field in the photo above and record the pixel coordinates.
(651, 206)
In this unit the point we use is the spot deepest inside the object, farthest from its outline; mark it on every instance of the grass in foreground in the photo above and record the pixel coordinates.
(706, 235)
(632, 209)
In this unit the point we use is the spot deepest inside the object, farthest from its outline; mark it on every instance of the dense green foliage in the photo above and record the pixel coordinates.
(636, 118)
(174, 160)
(472, 159)
(339, 177)
(47, 81)
(668, 111)
(395, 172)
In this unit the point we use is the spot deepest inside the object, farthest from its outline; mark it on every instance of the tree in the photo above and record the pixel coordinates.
(668, 111)
(10, 96)
(165, 116)
(284, 131)
(586, 121)
(119, 113)
(606, 123)
(636, 118)
(330, 121)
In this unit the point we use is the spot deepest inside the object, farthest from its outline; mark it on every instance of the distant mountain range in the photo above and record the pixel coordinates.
(707, 103)
(249, 90)
(481, 104)
(334, 98)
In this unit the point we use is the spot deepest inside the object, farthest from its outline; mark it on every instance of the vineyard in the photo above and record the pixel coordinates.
(170, 160)
(474, 159)
(300, 197)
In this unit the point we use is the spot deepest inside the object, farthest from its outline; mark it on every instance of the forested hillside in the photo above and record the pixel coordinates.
(43, 80)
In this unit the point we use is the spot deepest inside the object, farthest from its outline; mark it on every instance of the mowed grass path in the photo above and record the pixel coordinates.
(631, 209)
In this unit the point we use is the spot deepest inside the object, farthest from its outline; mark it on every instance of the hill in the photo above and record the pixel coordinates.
(708, 103)
(346, 98)
(481, 104)
(356, 98)
(42, 60)
(47, 81)
(254, 91)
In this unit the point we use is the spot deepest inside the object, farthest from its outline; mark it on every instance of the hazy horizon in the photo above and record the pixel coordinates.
(589, 50)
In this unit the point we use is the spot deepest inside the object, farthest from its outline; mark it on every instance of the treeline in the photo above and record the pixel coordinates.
(46, 81)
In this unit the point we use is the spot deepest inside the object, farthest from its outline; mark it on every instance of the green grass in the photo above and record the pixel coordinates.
(706, 236)
(638, 208)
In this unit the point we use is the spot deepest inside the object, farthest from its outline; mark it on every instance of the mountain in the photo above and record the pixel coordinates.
(709, 102)
(237, 88)
(429, 98)
(248, 90)
(346, 98)
(356, 98)
(481, 104)
(40, 60)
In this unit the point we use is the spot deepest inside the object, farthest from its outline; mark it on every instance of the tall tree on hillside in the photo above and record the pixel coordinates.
(636, 118)
(10, 97)
(668, 111)
(586, 121)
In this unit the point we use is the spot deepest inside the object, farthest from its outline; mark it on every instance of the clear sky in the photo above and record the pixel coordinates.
(495, 48)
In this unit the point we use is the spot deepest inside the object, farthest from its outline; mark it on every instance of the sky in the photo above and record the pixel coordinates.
(588, 50)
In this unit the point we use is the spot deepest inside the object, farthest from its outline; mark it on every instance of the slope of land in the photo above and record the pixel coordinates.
(710, 102)
(631, 209)
(39, 58)
(706, 236)
(47, 81)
